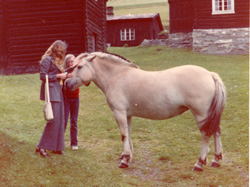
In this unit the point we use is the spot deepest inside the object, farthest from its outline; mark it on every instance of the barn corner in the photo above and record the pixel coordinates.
(210, 27)
(28, 28)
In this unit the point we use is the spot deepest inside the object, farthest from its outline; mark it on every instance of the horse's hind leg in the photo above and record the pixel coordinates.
(199, 117)
(217, 150)
(203, 154)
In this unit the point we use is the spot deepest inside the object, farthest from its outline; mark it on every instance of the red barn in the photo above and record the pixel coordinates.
(131, 30)
(212, 26)
(28, 28)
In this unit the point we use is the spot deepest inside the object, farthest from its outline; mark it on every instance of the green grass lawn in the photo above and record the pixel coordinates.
(164, 151)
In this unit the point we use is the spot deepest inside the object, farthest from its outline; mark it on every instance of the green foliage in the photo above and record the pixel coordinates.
(164, 151)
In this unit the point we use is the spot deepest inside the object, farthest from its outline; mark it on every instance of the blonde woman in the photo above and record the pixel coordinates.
(52, 65)
(71, 106)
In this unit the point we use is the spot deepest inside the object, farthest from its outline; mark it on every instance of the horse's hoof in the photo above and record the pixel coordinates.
(215, 164)
(123, 165)
(124, 161)
(197, 168)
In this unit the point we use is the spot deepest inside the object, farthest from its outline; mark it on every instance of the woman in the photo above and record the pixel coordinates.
(52, 65)
(71, 104)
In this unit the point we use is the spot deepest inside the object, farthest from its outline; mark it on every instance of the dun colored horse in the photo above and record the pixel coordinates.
(155, 95)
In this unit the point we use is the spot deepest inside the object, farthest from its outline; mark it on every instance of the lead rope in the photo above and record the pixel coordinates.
(62, 70)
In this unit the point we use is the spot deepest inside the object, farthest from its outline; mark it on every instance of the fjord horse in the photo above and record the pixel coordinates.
(155, 95)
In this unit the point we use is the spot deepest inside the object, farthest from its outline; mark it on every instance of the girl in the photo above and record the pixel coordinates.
(71, 104)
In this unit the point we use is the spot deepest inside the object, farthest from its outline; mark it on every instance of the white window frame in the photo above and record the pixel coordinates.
(127, 34)
(215, 8)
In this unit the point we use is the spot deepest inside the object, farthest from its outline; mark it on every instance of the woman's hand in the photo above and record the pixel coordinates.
(62, 76)
(69, 75)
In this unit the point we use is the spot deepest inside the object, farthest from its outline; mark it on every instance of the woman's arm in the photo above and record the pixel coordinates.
(44, 70)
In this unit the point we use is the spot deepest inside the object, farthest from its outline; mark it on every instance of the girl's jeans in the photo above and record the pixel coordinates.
(71, 106)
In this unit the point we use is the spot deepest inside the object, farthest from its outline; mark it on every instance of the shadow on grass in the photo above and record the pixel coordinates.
(21, 166)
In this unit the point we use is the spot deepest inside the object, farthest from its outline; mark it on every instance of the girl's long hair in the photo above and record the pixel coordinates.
(56, 50)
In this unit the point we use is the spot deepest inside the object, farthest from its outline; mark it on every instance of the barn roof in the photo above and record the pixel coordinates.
(131, 17)
(134, 16)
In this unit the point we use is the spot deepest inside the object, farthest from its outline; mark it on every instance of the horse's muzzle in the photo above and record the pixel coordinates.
(69, 84)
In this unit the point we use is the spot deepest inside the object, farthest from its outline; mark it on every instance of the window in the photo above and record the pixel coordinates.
(127, 34)
(223, 6)
(92, 42)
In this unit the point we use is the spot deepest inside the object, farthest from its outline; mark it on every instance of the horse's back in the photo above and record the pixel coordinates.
(185, 81)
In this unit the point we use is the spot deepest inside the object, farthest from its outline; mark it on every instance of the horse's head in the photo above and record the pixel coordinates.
(83, 73)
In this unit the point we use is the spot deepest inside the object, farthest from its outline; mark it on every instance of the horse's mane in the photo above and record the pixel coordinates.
(115, 57)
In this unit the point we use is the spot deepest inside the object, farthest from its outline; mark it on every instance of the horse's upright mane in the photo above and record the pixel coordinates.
(115, 57)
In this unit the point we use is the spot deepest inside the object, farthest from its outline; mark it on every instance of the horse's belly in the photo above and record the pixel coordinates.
(157, 113)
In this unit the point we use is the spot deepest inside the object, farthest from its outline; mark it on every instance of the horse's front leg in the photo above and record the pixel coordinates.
(126, 156)
(130, 140)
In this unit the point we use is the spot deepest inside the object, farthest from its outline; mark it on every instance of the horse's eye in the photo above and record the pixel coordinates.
(79, 67)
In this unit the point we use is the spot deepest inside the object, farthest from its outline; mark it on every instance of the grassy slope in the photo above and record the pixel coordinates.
(164, 151)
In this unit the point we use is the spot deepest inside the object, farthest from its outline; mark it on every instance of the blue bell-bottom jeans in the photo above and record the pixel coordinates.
(71, 106)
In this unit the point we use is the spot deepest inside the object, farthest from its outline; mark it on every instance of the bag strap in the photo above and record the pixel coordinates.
(47, 99)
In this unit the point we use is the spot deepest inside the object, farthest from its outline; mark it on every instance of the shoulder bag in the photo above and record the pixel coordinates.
(47, 108)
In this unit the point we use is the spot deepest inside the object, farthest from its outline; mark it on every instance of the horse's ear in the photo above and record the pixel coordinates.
(90, 58)
(81, 56)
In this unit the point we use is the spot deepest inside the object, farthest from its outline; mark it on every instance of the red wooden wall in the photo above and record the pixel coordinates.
(95, 25)
(186, 15)
(205, 20)
(181, 15)
(28, 28)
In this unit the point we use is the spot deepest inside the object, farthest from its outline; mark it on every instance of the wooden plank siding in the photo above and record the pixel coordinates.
(181, 15)
(186, 15)
(2, 38)
(32, 26)
(205, 20)
(1, 34)
(96, 18)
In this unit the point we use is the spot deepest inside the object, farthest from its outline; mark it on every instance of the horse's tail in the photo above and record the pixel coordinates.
(211, 124)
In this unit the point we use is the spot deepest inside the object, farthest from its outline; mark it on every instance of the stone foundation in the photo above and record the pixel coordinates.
(208, 41)
(180, 40)
(156, 42)
(221, 41)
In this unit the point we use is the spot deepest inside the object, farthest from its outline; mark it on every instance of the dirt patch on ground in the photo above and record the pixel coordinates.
(239, 168)
(145, 168)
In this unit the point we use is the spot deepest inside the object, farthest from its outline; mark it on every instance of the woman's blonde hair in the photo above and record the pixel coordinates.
(56, 50)
(66, 60)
